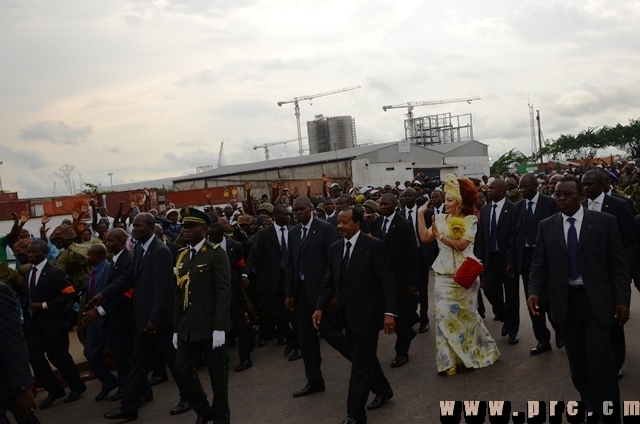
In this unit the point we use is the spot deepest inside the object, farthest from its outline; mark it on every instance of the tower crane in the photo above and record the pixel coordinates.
(298, 99)
(411, 105)
(220, 154)
(265, 146)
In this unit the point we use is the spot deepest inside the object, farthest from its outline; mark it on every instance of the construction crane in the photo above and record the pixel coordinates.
(411, 105)
(296, 100)
(220, 154)
(265, 146)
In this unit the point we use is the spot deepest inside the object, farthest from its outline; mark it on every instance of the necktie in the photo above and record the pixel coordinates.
(384, 229)
(493, 237)
(529, 236)
(437, 211)
(304, 233)
(572, 250)
(193, 253)
(92, 283)
(32, 281)
(283, 248)
(410, 218)
(345, 259)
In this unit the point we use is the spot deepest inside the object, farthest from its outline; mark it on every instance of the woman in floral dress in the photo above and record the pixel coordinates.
(461, 336)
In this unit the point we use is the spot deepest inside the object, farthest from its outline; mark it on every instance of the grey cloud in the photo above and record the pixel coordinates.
(57, 132)
(589, 99)
(31, 185)
(247, 108)
(205, 6)
(204, 76)
(132, 20)
(23, 158)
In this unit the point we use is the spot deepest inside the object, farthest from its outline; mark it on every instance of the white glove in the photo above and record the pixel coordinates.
(175, 340)
(218, 338)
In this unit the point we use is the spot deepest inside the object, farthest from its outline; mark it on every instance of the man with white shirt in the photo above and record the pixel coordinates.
(579, 260)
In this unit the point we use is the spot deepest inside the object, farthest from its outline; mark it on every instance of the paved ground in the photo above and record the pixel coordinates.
(262, 394)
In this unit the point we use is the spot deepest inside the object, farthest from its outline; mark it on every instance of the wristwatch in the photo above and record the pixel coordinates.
(440, 237)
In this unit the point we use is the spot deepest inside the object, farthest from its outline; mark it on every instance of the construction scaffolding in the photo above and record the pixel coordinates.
(438, 129)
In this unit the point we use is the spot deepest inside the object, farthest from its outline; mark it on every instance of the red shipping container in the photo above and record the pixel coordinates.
(66, 205)
(112, 200)
(8, 196)
(6, 208)
(48, 208)
(219, 195)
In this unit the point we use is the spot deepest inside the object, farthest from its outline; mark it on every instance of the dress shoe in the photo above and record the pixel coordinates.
(282, 341)
(350, 420)
(399, 361)
(297, 354)
(504, 331)
(513, 339)
(146, 398)
(378, 402)
(181, 408)
(260, 342)
(288, 350)
(619, 375)
(244, 365)
(120, 415)
(105, 392)
(117, 396)
(75, 395)
(423, 328)
(309, 389)
(88, 376)
(540, 348)
(154, 381)
(559, 341)
(203, 420)
(53, 396)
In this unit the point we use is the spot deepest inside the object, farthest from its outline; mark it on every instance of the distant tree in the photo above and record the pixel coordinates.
(65, 175)
(508, 160)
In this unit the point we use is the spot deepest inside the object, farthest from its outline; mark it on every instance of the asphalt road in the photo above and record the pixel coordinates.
(262, 394)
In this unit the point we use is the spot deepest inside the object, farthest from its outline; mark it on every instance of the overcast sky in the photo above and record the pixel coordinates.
(149, 89)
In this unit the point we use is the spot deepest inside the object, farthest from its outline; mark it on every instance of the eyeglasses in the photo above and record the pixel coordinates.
(566, 193)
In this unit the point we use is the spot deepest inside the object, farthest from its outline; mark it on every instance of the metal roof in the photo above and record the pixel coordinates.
(448, 147)
(162, 182)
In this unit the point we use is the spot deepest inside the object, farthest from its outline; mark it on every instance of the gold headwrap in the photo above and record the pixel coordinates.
(452, 187)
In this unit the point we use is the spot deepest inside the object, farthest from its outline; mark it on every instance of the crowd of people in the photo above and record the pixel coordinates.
(146, 291)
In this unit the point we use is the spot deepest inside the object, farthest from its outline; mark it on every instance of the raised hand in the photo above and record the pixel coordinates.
(247, 186)
(45, 219)
(24, 217)
(273, 185)
(75, 214)
(308, 182)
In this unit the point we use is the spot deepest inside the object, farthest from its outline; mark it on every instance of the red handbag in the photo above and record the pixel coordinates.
(468, 272)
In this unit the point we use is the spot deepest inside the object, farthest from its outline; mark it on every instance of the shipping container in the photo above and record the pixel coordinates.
(8, 196)
(17, 207)
(219, 195)
(66, 205)
(48, 208)
(37, 210)
(112, 200)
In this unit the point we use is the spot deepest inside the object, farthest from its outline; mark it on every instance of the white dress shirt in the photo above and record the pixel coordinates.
(596, 204)
(197, 246)
(389, 219)
(146, 245)
(38, 271)
(353, 241)
(498, 209)
(308, 227)
(579, 217)
(279, 234)
(438, 211)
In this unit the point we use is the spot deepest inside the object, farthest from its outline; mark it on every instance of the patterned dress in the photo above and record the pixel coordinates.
(461, 336)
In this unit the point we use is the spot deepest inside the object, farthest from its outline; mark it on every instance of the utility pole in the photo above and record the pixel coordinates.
(110, 174)
(1, 189)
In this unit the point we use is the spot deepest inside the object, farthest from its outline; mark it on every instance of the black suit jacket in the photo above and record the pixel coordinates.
(265, 257)
(14, 359)
(428, 251)
(54, 288)
(236, 262)
(175, 249)
(119, 309)
(601, 259)
(153, 280)
(310, 257)
(503, 230)
(102, 280)
(402, 250)
(628, 202)
(366, 292)
(545, 207)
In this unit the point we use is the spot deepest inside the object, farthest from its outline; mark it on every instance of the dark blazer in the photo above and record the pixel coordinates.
(54, 288)
(628, 201)
(265, 257)
(624, 217)
(14, 359)
(312, 255)
(152, 278)
(119, 309)
(366, 292)
(174, 248)
(545, 207)
(601, 259)
(236, 262)
(102, 280)
(503, 231)
(428, 251)
(402, 250)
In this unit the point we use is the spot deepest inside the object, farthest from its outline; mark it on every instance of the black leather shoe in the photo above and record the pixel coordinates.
(559, 341)
(297, 354)
(244, 365)
(117, 396)
(260, 342)
(513, 339)
(504, 331)
(146, 398)
(288, 350)
(423, 328)
(75, 395)
(203, 420)
(53, 396)
(105, 392)
(282, 341)
(377, 402)
(540, 348)
(181, 408)
(350, 420)
(154, 381)
(399, 361)
(309, 389)
(120, 415)
(619, 375)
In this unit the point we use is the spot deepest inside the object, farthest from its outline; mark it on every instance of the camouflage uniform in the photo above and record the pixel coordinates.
(627, 181)
(633, 192)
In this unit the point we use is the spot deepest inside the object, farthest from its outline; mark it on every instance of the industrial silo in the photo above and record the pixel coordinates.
(331, 133)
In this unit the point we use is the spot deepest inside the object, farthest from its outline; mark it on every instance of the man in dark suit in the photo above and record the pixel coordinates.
(344, 202)
(360, 275)
(529, 212)
(492, 246)
(428, 251)
(402, 250)
(95, 337)
(202, 318)
(595, 199)
(269, 258)
(15, 375)
(309, 243)
(49, 292)
(244, 332)
(579, 260)
(151, 276)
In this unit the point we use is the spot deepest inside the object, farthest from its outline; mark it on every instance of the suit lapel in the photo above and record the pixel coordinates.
(310, 234)
(559, 228)
(143, 258)
(356, 252)
(585, 229)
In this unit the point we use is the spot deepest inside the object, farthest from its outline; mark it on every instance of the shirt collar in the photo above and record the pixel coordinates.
(41, 265)
(277, 227)
(535, 199)
(579, 215)
(146, 245)
(308, 226)
(599, 199)
(116, 256)
(353, 239)
(223, 243)
(198, 246)
(390, 217)
(499, 203)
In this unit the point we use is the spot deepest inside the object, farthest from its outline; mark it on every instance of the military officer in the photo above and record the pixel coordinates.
(203, 302)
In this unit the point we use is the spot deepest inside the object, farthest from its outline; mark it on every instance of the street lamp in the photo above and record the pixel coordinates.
(110, 174)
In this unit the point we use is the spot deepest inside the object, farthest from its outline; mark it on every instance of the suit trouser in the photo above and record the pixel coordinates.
(95, 339)
(619, 344)
(120, 345)
(9, 404)
(423, 290)
(588, 345)
(366, 373)
(137, 384)
(56, 349)
(273, 304)
(539, 322)
(245, 334)
(217, 360)
(309, 342)
(502, 292)
(405, 320)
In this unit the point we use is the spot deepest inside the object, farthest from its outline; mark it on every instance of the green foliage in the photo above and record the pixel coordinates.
(508, 160)
(89, 188)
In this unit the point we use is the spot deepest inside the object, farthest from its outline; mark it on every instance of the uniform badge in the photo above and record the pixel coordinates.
(204, 249)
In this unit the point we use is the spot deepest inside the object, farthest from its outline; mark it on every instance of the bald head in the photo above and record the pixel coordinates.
(302, 201)
(96, 254)
(528, 178)
(116, 240)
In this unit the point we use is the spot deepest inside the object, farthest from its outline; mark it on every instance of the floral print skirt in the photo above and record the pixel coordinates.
(461, 336)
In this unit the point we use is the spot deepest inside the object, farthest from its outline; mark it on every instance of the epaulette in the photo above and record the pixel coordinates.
(180, 250)
(211, 245)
